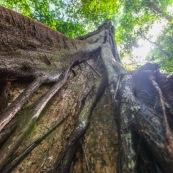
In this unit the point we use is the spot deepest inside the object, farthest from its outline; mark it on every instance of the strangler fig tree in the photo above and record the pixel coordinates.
(57, 94)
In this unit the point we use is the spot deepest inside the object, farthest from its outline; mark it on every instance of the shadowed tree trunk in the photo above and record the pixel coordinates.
(68, 105)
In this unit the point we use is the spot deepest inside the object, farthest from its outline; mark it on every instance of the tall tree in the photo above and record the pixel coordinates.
(73, 107)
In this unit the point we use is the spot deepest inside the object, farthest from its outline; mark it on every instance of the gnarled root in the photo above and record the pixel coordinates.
(64, 161)
(143, 115)
(11, 111)
(17, 158)
(6, 152)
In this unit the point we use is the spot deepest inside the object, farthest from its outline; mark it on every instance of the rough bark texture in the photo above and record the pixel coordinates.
(72, 107)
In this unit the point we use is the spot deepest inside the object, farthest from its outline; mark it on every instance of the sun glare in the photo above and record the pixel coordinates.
(140, 53)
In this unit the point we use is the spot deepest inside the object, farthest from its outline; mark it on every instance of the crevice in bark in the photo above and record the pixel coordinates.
(149, 123)
(5, 84)
(146, 162)
(63, 163)
(7, 132)
(85, 155)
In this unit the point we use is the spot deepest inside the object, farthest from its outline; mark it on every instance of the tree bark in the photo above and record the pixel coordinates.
(83, 111)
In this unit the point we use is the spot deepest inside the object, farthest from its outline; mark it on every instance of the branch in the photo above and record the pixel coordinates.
(157, 10)
(161, 48)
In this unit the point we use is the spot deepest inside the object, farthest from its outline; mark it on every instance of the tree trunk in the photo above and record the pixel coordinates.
(72, 107)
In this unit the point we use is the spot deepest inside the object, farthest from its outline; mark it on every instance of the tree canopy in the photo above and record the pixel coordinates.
(133, 21)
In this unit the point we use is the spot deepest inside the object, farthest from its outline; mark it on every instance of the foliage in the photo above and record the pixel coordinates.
(77, 17)
(56, 14)
(163, 53)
